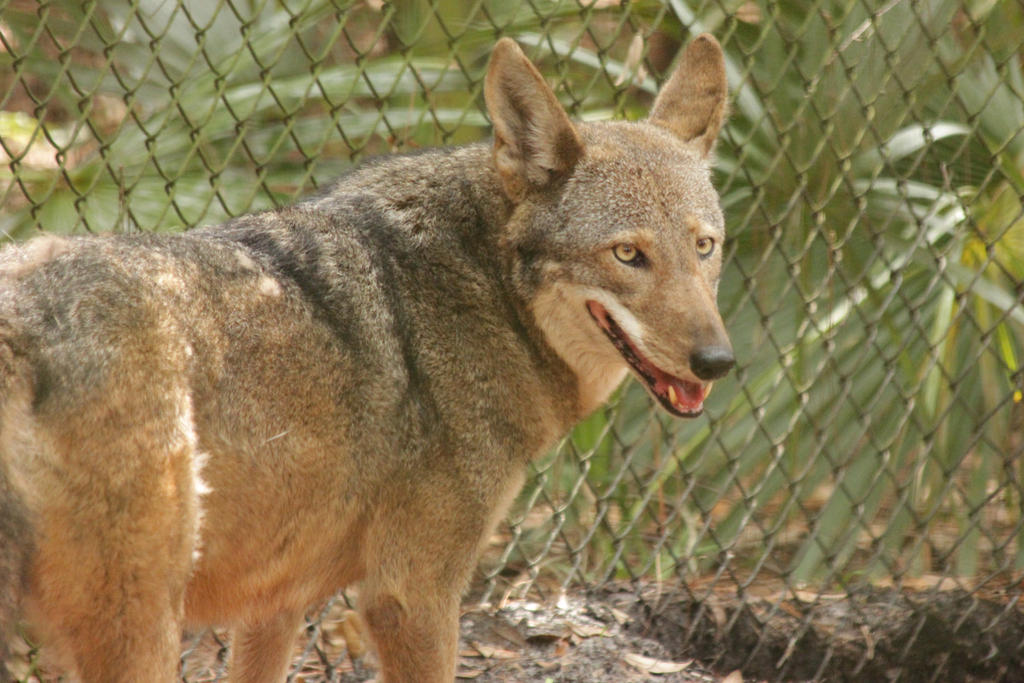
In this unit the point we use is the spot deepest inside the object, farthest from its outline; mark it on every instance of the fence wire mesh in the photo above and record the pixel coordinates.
(866, 451)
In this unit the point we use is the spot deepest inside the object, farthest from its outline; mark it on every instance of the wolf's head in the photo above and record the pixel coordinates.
(616, 236)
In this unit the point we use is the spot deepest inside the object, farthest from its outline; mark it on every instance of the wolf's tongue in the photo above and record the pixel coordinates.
(685, 396)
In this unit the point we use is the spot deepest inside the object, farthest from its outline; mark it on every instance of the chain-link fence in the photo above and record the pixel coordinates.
(867, 450)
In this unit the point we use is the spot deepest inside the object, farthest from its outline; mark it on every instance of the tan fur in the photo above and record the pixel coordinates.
(693, 102)
(34, 253)
(561, 314)
(533, 138)
(227, 426)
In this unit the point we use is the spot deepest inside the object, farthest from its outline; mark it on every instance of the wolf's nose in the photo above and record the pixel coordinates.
(711, 362)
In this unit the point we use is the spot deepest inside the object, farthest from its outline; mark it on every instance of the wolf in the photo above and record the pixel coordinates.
(229, 425)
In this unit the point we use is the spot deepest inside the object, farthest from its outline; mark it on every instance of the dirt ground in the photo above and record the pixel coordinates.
(874, 635)
(633, 633)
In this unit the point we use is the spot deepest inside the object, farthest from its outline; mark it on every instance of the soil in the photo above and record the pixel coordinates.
(867, 635)
(644, 632)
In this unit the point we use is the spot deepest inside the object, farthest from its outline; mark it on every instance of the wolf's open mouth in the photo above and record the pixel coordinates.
(678, 396)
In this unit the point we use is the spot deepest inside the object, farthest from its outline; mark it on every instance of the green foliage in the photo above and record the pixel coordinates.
(872, 174)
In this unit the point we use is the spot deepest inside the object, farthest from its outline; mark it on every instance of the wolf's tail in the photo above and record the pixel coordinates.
(14, 540)
(15, 529)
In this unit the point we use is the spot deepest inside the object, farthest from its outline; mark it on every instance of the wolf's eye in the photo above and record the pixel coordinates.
(628, 254)
(705, 246)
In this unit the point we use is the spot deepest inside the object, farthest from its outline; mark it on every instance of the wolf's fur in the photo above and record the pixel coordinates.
(228, 425)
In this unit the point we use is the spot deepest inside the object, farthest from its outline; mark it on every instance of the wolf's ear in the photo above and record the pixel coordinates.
(694, 101)
(534, 141)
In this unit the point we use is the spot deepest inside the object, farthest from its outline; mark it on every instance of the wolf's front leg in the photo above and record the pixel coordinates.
(261, 653)
(416, 634)
(420, 554)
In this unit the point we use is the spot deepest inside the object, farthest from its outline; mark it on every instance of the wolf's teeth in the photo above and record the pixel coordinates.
(672, 395)
(707, 389)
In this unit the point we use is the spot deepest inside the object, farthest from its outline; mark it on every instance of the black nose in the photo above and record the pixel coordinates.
(711, 362)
